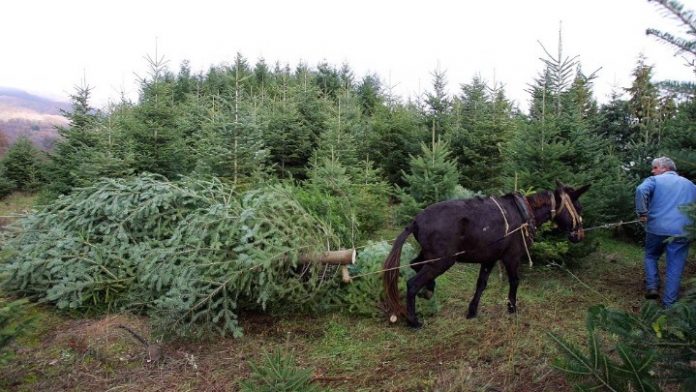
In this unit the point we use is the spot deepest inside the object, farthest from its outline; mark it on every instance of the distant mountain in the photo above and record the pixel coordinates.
(22, 113)
(23, 99)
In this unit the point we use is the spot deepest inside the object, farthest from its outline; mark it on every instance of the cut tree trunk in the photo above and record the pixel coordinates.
(333, 257)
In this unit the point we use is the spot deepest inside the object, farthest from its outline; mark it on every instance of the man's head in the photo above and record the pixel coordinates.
(661, 165)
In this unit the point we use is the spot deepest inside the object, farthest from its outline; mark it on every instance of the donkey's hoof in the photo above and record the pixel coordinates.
(415, 325)
(470, 314)
(425, 293)
(511, 308)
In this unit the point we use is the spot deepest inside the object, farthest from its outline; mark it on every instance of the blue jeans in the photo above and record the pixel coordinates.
(676, 250)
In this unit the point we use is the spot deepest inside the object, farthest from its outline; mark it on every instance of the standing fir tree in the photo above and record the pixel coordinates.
(76, 145)
(23, 165)
(483, 123)
(154, 127)
(438, 106)
(394, 134)
(432, 177)
(644, 104)
(559, 142)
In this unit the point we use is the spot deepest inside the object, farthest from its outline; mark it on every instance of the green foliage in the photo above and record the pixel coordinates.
(371, 195)
(564, 149)
(83, 167)
(354, 206)
(341, 140)
(654, 346)
(226, 140)
(552, 247)
(23, 165)
(687, 21)
(394, 135)
(363, 296)
(560, 142)
(408, 207)
(632, 373)
(557, 149)
(290, 133)
(278, 373)
(7, 185)
(369, 94)
(561, 87)
(438, 110)
(192, 254)
(433, 176)
(327, 80)
(679, 142)
(245, 122)
(157, 143)
(547, 248)
(643, 103)
(327, 195)
(483, 124)
(615, 123)
(691, 229)
(668, 333)
(13, 323)
(341, 189)
(84, 151)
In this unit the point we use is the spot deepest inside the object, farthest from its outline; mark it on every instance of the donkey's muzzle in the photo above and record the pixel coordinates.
(577, 235)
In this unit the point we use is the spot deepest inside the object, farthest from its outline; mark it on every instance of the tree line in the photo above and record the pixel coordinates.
(247, 124)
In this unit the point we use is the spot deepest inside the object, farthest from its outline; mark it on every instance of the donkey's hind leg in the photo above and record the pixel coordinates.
(425, 276)
(481, 284)
(429, 289)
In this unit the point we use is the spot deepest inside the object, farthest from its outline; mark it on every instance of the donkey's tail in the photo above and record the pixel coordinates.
(392, 302)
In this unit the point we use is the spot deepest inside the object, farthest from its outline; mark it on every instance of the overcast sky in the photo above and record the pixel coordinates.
(48, 46)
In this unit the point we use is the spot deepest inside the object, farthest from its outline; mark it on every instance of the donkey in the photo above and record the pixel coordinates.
(478, 230)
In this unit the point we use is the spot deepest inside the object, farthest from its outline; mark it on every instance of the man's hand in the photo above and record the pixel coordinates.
(643, 219)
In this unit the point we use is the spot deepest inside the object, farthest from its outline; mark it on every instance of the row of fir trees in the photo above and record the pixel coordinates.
(247, 124)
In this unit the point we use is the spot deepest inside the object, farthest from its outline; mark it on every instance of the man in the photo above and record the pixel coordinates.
(658, 202)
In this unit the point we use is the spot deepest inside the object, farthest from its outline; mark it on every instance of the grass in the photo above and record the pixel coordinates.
(17, 203)
(493, 352)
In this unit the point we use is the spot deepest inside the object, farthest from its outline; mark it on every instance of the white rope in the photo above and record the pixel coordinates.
(523, 231)
(507, 226)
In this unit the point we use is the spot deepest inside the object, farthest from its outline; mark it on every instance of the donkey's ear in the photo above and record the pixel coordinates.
(578, 192)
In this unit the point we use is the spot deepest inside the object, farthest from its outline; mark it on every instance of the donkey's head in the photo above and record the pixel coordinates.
(567, 214)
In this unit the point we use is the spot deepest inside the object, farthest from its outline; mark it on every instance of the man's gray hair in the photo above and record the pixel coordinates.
(665, 163)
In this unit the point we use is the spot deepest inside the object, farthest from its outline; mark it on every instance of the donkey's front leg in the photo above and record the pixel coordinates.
(481, 284)
(511, 266)
(428, 291)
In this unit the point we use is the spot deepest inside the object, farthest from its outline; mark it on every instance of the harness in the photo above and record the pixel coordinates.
(567, 204)
(525, 211)
(527, 228)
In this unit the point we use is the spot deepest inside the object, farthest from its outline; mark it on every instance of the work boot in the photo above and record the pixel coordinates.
(652, 294)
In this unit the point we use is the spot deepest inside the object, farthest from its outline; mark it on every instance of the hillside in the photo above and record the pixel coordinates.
(22, 113)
